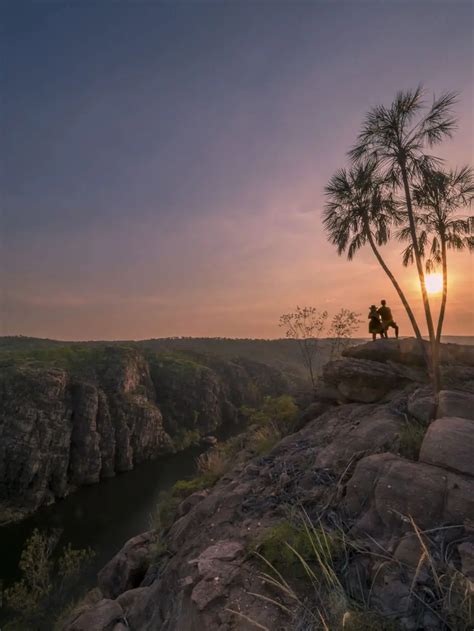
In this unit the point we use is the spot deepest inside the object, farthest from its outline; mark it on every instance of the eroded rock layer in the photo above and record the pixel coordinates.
(65, 426)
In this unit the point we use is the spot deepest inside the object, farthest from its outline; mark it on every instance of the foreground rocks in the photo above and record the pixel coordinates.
(106, 412)
(346, 468)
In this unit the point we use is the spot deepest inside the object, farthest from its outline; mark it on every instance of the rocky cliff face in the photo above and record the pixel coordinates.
(63, 427)
(408, 516)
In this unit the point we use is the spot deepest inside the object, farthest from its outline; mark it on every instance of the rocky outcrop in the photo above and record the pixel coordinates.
(449, 443)
(387, 491)
(344, 468)
(408, 352)
(128, 568)
(456, 403)
(361, 380)
(422, 405)
(103, 411)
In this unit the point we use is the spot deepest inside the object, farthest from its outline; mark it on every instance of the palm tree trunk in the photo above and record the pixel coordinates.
(421, 275)
(398, 289)
(444, 299)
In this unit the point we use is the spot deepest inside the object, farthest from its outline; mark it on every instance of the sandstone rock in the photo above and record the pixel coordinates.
(217, 569)
(222, 551)
(361, 380)
(421, 405)
(103, 616)
(389, 594)
(402, 351)
(35, 437)
(137, 605)
(128, 567)
(190, 502)
(314, 410)
(409, 550)
(385, 491)
(373, 432)
(458, 378)
(85, 458)
(466, 552)
(449, 443)
(456, 403)
(407, 351)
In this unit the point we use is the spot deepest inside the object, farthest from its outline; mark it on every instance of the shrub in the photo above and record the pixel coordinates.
(185, 488)
(280, 410)
(186, 438)
(44, 580)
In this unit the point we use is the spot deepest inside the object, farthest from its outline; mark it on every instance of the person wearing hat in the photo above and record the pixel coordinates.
(375, 324)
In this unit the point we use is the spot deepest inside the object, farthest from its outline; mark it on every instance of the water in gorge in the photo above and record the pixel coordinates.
(101, 516)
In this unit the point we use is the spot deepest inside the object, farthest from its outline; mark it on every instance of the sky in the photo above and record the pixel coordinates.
(163, 163)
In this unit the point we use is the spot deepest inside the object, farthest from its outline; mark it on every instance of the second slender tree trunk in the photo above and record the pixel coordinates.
(445, 290)
(421, 275)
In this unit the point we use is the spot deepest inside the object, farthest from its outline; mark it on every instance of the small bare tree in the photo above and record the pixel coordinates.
(343, 326)
(305, 325)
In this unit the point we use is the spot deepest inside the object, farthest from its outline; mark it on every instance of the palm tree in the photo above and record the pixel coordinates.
(396, 138)
(439, 195)
(361, 210)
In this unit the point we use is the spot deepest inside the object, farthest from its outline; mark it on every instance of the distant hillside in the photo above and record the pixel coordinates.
(283, 354)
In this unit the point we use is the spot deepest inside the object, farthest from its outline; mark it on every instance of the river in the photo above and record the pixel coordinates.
(101, 516)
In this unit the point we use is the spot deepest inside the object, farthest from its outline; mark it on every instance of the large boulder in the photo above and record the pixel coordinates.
(403, 351)
(449, 443)
(376, 430)
(137, 605)
(386, 491)
(128, 567)
(361, 380)
(421, 405)
(104, 616)
(456, 403)
(408, 351)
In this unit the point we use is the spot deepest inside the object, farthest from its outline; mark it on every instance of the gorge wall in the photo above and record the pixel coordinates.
(78, 417)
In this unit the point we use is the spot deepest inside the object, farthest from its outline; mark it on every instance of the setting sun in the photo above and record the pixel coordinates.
(434, 283)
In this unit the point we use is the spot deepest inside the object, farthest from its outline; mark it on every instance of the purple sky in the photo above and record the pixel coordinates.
(163, 163)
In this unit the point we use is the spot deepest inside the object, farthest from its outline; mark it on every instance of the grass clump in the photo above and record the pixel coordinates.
(410, 439)
(290, 545)
(367, 621)
(304, 565)
(265, 438)
(213, 464)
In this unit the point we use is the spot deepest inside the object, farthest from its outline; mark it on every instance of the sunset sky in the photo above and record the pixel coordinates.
(163, 163)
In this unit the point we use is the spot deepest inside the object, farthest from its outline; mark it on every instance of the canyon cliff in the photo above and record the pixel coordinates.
(77, 416)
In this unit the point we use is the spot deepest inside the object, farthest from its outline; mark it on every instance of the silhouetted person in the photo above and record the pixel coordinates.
(375, 324)
(385, 314)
